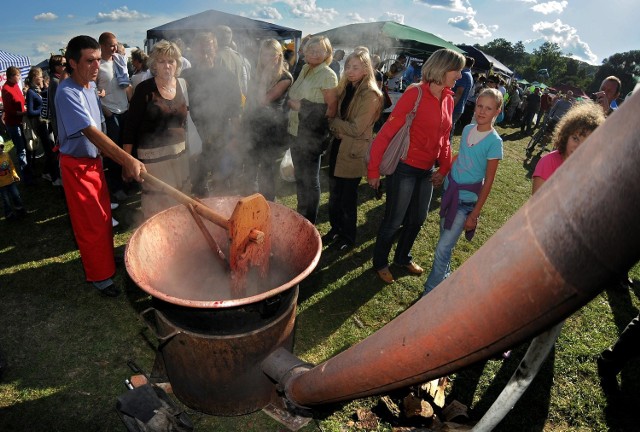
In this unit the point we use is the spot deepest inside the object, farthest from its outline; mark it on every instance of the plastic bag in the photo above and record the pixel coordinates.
(286, 167)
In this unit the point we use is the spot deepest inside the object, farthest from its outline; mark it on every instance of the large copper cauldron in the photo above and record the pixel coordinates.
(213, 338)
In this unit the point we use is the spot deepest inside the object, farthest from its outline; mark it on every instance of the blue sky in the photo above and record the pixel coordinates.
(590, 30)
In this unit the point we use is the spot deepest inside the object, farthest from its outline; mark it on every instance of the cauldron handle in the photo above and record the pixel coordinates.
(162, 340)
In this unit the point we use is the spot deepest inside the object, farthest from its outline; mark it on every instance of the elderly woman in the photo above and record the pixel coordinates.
(410, 187)
(264, 114)
(155, 127)
(312, 101)
(360, 103)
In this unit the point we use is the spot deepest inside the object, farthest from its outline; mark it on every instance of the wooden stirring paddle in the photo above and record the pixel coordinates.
(248, 229)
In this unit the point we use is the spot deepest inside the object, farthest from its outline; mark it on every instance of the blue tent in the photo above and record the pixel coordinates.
(245, 30)
(485, 62)
(21, 62)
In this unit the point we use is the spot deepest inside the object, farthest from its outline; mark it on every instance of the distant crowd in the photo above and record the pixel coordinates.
(208, 119)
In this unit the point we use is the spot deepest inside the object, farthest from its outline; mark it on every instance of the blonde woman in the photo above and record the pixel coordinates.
(264, 116)
(155, 127)
(359, 106)
(312, 101)
(410, 187)
(35, 106)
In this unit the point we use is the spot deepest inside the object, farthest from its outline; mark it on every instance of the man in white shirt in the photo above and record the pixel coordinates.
(114, 89)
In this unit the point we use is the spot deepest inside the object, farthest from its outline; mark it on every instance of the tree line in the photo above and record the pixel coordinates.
(547, 64)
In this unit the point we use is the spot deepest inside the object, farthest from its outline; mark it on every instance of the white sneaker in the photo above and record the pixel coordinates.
(114, 222)
(57, 182)
(114, 206)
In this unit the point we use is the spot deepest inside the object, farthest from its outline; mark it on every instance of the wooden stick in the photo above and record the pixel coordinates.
(213, 245)
(182, 198)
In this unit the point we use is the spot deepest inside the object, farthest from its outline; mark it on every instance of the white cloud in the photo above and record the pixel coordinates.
(46, 16)
(392, 16)
(567, 39)
(529, 1)
(355, 18)
(461, 6)
(42, 48)
(309, 10)
(471, 27)
(550, 7)
(119, 15)
(267, 12)
(304, 9)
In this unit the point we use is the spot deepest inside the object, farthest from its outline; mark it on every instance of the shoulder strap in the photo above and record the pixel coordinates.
(415, 107)
(183, 87)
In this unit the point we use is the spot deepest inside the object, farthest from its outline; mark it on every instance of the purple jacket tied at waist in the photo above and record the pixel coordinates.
(449, 205)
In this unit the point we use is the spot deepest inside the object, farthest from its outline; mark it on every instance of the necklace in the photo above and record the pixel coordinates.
(166, 87)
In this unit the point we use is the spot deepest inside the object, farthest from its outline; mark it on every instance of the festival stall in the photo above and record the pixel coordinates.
(7, 59)
(485, 62)
(246, 31)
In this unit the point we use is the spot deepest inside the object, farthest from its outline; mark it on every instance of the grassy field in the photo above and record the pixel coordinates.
(67, 347)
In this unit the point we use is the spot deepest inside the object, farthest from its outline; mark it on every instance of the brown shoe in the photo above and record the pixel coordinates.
(386, 275)
(414, 268)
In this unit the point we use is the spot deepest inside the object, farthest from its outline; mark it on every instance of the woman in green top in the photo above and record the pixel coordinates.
(312, 101)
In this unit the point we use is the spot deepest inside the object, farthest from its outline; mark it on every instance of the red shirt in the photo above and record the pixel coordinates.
(545, 102)
(13, 101)
(429, 133)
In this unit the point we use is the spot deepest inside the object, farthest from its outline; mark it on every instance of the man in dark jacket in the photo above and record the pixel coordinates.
(533, 106)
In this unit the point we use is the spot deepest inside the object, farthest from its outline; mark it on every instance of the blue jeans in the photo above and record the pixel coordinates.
(448, 239)
(19, 143)
(409, 193)
(11, 195)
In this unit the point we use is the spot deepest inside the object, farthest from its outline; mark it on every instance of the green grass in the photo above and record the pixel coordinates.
(67, 347)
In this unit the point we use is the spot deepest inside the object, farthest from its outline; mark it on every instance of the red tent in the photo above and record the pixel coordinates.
(577, 92)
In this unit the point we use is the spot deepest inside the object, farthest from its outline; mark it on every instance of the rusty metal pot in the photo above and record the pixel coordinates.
(212, 337)
(213, 357)
(168, 257)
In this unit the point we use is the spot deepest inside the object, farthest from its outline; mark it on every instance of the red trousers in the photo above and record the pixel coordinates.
(90, 211)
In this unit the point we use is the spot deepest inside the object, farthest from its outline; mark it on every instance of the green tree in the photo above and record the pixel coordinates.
(625, 66)
(549, 56)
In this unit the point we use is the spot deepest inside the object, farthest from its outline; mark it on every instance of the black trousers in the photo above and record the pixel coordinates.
(343, 206)
(627, 347)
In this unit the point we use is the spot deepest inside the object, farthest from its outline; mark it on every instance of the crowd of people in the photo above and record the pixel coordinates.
(103, 121)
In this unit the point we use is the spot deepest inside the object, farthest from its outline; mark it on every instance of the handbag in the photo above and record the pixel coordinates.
(194, 142)
(286, 167)
(399, 144)
(31, 138)
(29, 131)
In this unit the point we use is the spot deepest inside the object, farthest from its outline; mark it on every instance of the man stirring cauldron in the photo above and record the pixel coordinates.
(82, 142)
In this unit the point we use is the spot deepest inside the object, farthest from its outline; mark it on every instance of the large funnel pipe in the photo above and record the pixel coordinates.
(579, 233)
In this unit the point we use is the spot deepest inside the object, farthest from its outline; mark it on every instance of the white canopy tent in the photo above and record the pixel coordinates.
(7, 59)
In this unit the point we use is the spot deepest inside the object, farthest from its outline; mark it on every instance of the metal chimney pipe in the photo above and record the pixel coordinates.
(579, 233)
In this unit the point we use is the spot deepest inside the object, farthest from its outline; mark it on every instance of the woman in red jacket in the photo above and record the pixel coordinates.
(410, 187)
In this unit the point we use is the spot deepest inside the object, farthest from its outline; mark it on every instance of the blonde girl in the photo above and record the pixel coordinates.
(264, 116)
(359, 106)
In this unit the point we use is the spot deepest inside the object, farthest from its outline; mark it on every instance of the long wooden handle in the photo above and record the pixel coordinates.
(182, 198)
(209, 238)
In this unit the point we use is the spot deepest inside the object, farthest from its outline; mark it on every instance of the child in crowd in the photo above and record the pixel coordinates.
(9, 188)
(574, 127)
(469, 182)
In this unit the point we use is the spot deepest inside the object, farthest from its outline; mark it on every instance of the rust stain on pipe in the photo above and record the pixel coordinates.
(560, 250)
